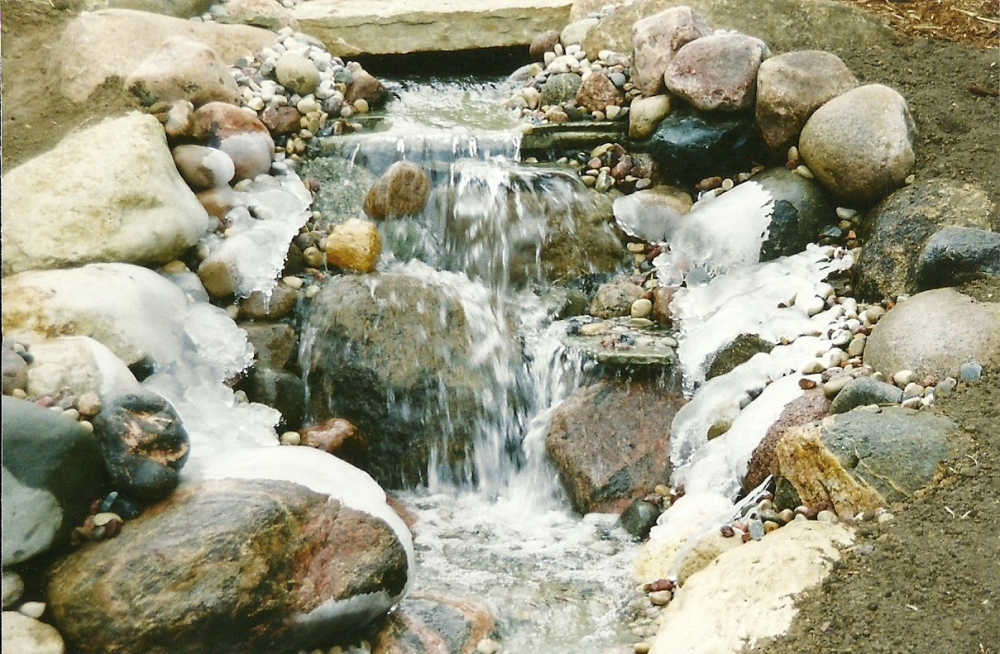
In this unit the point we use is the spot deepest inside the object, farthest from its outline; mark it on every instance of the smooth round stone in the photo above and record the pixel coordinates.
(971, 372)
(913, 389)
(290, 438)
(661, 597)
(642, 308)
(836, 384)
(487, 646)
(826, 516)
(642, 647)
(33, 610)
(13, 588)
(594, 328)
(361, 106)
(904, 377)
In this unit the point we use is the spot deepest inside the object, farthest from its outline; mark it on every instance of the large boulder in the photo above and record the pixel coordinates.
(176, 8)
(183, 69)
(763, 578)
(118, 197)
(791, 86)
(610, 443)
(860, 145)
(100, 45)
(403, 358)
(229, 566)
(130, 310)
(656, 39)
(784, 24)
(935, 332)
(52, 472)
(898, 229)
(717, 72)
(402, 26)
(862, 460)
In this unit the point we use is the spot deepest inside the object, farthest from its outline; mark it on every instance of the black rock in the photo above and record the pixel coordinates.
(143, 443)
(640, 517)
(741, 350)
(955, 255)
(690, 146)
(279, 389)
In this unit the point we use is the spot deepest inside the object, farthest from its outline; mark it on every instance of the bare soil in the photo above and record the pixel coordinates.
(929, 581)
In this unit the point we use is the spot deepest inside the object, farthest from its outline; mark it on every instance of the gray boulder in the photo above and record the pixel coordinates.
(956, 255)
(183, 69)
(838, 143)
(862, 460)
(791, 86)
(656, 39)
(935, 332)
(229, 566)
(717, 72)
(610, 443)
(560, 88)
(897, 231)
(399, 356)
(52, 472)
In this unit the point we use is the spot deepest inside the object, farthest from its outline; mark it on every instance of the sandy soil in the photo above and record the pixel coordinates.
(930, 580)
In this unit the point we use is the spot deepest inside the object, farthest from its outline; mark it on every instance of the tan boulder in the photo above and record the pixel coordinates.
(182, 69)
(354, 245)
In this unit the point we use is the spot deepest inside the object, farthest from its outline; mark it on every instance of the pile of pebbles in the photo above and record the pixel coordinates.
(80, 408)
(528, 101)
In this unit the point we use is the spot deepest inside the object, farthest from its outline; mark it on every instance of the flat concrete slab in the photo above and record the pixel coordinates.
(353, 27)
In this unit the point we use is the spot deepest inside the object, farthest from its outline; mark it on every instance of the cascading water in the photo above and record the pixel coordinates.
(496, 527)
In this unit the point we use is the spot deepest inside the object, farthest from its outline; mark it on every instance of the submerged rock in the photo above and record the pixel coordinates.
(609, 443)
(229, 566)
(427, 624)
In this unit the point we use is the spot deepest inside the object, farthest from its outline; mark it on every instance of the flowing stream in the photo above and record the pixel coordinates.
(503, 532)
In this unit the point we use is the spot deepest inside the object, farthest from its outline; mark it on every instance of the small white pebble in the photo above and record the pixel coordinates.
(291, 438)
(487, 646)
(32, 609)
(293, 282)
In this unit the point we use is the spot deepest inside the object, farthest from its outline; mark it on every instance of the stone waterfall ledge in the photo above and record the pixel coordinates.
(354, 27)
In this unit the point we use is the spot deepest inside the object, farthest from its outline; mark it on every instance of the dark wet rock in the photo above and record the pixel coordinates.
(802, 208)
(935, 332)
(402, 190)
(343, 199)
(338, 437)
(741, 350)
(366, 87)
(393, 354)
(52, 472)
(143, 443)
(15, 371)
(898, 229)
(427, 624)
(560, 88)
(279, 389)
(274, 344)
(863, 391)
(615, 298)
(688, 146)
(231, 567)
(640, 517)
(813, 405)
(610, 442)
(956, 255)
(861, 460)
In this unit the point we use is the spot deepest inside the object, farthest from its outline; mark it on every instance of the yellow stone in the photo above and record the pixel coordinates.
(354, 245)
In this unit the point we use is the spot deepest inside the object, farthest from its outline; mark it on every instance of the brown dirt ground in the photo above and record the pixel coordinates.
(928, 582)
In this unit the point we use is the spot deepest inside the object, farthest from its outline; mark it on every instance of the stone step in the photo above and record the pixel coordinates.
(377, 27)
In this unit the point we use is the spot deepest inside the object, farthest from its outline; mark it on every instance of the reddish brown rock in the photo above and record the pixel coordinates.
(597, 92)
(610, 442)
(338, 437)
(282, 120)
(238, 133)
(280, 303)
(367, 88)
(403, 190)
(662, 297)
(544, 42)
(813, 405)
(229, 567)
